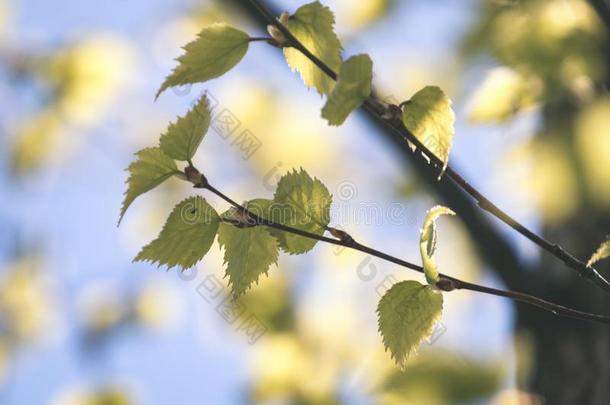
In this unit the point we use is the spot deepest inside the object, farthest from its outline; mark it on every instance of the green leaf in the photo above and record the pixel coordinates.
(407, 313)
(353, 86)
(303, 203)
(428, 115)
(249, 251)
(186, 237)
(182, 138)
(427, 241)
(503, 93)
(216, 50)
(312, 25)
(151, 168)
(602, 252)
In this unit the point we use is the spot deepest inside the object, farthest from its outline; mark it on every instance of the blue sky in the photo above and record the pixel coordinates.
(70, 211)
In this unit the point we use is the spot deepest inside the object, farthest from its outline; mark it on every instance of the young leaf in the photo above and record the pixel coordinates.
(427, 241)
(428, 115)
(503, 93)
(182, 138)
(186, 237)
(305, 204)
(312, 25)
(407, 314)
(353, 86)
(602, 252)
(249, 251)
(151, 168)
(216, 50)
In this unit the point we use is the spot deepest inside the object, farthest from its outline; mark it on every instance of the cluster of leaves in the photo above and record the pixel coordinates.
(408, 311)
(218, 48)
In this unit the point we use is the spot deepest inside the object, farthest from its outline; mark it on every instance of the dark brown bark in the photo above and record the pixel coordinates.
(571, 363)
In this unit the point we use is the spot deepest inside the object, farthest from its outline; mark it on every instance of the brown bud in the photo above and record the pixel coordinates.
(392, 112)
(279, 39)
(341, 235)
(444, 284)
(284, 18)
(241, 219)
(193, 175)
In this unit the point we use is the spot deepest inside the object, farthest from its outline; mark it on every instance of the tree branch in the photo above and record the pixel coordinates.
(446, 283)
(493, 247)
(373, 106)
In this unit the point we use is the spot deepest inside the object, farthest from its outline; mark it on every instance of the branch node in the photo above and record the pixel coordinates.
(341, 235)
(241, 218)
(403, 103)
(445, 284)
(194, 176)
(278, 36)
(392, 112)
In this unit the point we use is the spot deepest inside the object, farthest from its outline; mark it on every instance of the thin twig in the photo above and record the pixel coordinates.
(373, 105)
(258, 39)
(455, 283)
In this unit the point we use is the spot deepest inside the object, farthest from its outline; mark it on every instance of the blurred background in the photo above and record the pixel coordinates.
(81, 324)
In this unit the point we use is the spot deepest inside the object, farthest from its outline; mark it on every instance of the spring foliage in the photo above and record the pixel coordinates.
(407, 314)
(352, 88)
(409, 309)
(428, 115)
(215, 51)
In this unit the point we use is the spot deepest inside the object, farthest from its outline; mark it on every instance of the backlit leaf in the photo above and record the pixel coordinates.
(304, 203)
(407, 313)
(428, 115)
(215, 51)
(249, 251)
(183, 137)
(353, 86)
(151, 168)
(312, 25)
(427, 241)
(186, 237)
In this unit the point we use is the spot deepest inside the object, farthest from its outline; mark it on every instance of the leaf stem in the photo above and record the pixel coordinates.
(372, 105)
(455, 283)
(255, 39)
(269, 40)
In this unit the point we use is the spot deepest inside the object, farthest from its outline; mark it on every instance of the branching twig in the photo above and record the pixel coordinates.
(446, 283)
(374, 106)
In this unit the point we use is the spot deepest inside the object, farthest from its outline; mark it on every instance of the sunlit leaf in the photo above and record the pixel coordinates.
(503, 93)
(602, 252)
(353, 86)
(186, 237)
(183, 137)
(427, 241)
(407, 313)
(428, 115)
(312, 25)
(305, 204)
(216, 50)
(151, 168)
(249, 251)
